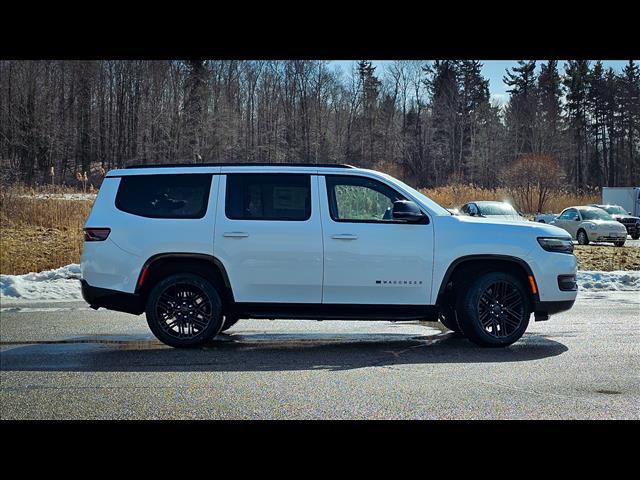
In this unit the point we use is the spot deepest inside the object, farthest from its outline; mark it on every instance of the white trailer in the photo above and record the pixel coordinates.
(627, 197)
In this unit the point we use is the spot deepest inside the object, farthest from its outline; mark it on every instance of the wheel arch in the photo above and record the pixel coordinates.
(468, 265)
(162, 265)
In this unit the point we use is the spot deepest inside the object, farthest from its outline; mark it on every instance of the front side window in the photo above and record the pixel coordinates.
(268, 197)
(359, 199)
(164, 196)
(570, 214)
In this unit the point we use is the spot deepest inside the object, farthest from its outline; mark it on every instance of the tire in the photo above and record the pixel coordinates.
(619, 244)
(635, 237)
(494, 310)
(541, 221)
(229, 321)
(184, 311)
(447, 316)
(583, 238)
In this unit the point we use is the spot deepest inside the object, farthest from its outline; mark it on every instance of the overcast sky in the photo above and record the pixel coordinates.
(494, 70)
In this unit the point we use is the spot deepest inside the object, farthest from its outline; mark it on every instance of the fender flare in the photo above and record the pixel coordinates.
(469, 258)
(195, 256)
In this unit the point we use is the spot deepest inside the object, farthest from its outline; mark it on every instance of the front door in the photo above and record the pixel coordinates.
(569, 221)
(370, 258)
(268, 237)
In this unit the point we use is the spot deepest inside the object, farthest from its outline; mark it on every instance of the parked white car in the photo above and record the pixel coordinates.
(197, 247)
(591, 224)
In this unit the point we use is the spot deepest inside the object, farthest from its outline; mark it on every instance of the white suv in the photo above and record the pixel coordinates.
(198, 246)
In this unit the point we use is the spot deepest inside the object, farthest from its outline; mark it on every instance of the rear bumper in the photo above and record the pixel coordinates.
(98, 297)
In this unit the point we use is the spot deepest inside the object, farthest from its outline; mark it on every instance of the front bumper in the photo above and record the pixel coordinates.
(542, 310)
(98, 297)
(608, 237)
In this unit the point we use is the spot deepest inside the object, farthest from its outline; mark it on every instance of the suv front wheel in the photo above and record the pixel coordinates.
(184, 310)
(494, 310)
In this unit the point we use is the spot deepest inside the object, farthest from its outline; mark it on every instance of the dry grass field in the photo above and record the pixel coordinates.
(40, 230)
(607, 258)
(454, 196)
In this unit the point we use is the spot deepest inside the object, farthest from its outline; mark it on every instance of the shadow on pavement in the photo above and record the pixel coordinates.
(239, 352)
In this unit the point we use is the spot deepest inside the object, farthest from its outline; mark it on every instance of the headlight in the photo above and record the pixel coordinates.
(556, 244)
(592, 226)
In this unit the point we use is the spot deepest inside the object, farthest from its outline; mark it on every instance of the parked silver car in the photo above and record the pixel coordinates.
(591, 224)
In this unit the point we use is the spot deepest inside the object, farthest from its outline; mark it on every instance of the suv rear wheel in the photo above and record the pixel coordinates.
(184, 310)
(494, 310)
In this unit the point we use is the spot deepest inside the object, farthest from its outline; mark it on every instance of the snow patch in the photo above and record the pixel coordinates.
(619, 280)
(62, 196)
(58, 284)
(63, 283)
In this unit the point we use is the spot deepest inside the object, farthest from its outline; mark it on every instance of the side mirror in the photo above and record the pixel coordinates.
(407, 211)
(473, 210)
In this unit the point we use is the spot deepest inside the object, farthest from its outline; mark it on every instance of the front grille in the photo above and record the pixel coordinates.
(627, 220)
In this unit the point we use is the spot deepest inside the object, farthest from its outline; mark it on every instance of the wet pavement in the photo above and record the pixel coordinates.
(62, 360)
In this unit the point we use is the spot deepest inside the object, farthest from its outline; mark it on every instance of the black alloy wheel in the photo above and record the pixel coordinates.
(501, 309)
(494, 309)
(184, 311)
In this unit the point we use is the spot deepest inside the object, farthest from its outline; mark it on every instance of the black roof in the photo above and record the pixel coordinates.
(246, 164)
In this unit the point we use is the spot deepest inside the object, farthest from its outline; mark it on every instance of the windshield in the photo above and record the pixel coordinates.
(433, 206)
(594, 214)
(497, 209)
(615, 209)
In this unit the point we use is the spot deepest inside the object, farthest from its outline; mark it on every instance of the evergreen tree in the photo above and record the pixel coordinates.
(550, 109)
(370, 90)
(630, 114)
(444, 93)
(520, 114)
(576, 82)
(597, 168)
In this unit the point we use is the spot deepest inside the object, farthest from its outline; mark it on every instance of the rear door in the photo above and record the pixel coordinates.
(370, 258)
(268, 237)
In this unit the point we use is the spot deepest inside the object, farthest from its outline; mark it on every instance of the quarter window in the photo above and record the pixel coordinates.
(359, 199)
(268, 197)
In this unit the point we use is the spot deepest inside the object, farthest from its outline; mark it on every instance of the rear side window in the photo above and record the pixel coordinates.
(165, 196)
(268, 197)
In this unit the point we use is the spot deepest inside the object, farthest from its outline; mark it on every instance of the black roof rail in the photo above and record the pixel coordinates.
(246, 164)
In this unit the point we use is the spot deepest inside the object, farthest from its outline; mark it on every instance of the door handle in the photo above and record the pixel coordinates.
(345, 236)
(235, 234)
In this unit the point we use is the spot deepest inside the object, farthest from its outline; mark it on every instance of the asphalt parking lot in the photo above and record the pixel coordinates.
(65, 361)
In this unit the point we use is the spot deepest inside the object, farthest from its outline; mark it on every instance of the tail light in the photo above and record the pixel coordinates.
(96, 234)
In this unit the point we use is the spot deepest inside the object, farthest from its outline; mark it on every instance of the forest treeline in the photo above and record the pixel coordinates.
(431, 123)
